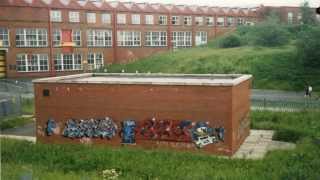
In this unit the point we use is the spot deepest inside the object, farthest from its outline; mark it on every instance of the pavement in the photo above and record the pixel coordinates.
(258, 143)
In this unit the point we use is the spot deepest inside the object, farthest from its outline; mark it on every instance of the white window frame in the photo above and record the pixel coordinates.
(5, 36)
(201, 38)
(106, 18)
(95, 55)
(91, 17)
(74, 16)
(175, 20)
(241, 21)
(149, 19)
(29, 65)
(199, 20)
(121, 18)
(56, 37)
(129, 38)
(38, 37)
(135, 19)
(220, 21)
(75, 39)
(210, 20)
(55, 16)
(163, 20)
(155, 39)
(94, 37)
(187, 20)
(230, 21)
(66, 66)
(181, 39)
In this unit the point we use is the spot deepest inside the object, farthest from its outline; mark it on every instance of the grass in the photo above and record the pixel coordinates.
(85, 162)
(272, 68)
(14, 121)
(28, 106)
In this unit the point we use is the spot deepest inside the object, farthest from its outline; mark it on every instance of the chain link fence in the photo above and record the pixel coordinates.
(14, 96)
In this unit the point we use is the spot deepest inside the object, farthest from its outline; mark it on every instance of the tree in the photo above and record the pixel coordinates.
(307, 15)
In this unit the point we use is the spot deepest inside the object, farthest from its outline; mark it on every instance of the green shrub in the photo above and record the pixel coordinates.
(230, 41)
(288, 135)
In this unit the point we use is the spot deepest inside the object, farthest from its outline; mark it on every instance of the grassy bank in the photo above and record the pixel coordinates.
(14, 121)
(83, 162)
(272, 68)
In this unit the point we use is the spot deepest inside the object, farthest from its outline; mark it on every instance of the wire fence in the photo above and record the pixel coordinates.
(285, 105)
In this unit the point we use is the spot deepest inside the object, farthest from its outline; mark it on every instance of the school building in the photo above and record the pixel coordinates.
(40, 38)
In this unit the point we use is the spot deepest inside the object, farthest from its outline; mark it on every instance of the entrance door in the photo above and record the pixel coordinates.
(2, 64)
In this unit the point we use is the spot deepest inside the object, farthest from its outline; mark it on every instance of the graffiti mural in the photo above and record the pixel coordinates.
(180, 131)
(51, 126)
(92, 128)
(128, 132)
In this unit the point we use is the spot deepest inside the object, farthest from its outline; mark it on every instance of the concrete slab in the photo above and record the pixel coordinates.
(258, 143)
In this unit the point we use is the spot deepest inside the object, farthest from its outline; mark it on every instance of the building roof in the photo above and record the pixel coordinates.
(150, 79)
(131, 7)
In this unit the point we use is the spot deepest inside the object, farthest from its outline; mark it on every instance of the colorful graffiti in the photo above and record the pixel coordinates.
(186, 131)
(180, 131)
(128, 132)
(92, 128)
(51, 126)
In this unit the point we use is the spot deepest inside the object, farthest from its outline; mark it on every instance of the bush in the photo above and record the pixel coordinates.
(269, 34)
(230, 41)
(308, 45)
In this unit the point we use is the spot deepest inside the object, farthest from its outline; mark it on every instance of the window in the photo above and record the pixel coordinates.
(31, 38)
(210, 21)
(129, 38)
(99, 38)
(74, 16)
(156, 38)
(220, 21)
(56, 37)
(149, 19)
(199, 21)
(55, 16)
(181, 39)
(135, 19)
(76, 37)
(32, 63)
(4, 37)
(91, 17)
(188, 20)
(121, 18)
(290, 17)
(163, 20)
(106, 18)
(65, 62)
(240, 21)
(95, 60)
(201, 38)
(175, 20)
(299, 17)
(230, 21)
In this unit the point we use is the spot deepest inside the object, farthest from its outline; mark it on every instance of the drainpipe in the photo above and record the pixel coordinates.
(114, 33)
(51, 63)
(169, 32)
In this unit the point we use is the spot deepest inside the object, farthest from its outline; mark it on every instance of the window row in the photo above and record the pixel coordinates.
(74, 17)
(62, 62)
(100, 38)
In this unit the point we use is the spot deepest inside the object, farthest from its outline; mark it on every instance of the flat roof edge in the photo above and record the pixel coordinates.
(234, 80)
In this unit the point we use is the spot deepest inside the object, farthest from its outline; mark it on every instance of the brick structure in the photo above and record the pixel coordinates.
(221, 101)
(33, 33)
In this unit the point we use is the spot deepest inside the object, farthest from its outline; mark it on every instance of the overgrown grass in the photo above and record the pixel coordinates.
(272, 68)
(14, 121)
(86, 162)
(28, 106)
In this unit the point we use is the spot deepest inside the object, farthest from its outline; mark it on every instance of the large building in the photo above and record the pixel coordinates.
(41, 38)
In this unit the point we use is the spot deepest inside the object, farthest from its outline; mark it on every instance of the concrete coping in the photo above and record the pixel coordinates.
(150, 78)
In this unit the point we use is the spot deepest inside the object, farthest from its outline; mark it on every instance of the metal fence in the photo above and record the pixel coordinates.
(13, 95)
